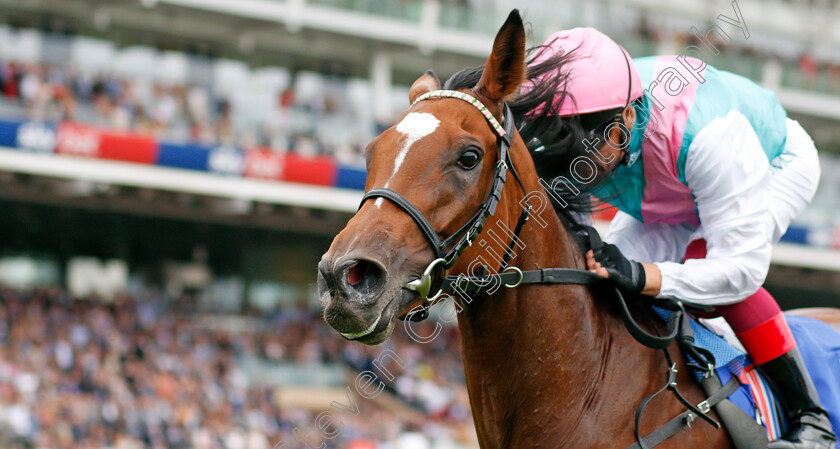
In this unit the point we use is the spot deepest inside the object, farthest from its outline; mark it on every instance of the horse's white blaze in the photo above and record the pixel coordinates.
(415, 126)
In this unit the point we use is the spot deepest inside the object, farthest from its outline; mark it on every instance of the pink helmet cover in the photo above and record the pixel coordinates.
(598, 73)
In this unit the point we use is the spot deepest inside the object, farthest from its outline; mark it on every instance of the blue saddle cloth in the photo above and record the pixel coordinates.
(819, 345)
(820, 348)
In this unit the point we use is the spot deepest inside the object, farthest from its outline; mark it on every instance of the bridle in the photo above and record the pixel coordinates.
(435, 279)
(448, 250)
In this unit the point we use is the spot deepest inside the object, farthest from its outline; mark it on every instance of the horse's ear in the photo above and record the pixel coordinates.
(426, 83)
(505, 68)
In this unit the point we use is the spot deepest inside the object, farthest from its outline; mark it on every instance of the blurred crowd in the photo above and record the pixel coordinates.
(138, 373)
(800, 66)
(326, 116)
(177, 112)
(55, 93)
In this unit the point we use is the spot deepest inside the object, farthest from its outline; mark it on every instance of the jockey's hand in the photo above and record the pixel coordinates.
(622, 272)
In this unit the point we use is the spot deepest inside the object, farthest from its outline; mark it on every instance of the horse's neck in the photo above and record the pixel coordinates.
(534, 349)
(549, 366)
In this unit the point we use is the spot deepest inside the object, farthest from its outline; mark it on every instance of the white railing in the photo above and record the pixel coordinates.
(178, 180)
(135, 175)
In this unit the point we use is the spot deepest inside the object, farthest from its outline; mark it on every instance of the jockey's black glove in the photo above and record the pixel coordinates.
(625, 274)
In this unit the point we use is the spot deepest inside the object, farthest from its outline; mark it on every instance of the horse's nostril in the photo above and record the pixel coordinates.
(364, 276)
(357, 272)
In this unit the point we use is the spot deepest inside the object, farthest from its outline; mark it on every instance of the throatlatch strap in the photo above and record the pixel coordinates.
(523, 218)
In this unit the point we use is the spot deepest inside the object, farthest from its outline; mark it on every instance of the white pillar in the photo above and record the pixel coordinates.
(380, 83)
(429, 19)
(771, 77)
(294, 18)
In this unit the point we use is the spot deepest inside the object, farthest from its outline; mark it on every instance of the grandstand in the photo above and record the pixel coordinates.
(172, 170)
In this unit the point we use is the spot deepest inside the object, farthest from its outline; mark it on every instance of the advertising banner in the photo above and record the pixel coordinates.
(318, 170)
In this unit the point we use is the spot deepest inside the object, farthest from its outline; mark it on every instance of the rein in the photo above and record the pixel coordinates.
(435, 279)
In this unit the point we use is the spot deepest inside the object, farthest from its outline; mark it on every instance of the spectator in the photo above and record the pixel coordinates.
(139, 374)
(318, 123)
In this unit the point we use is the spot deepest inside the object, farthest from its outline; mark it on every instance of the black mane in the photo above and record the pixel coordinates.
(551, 140)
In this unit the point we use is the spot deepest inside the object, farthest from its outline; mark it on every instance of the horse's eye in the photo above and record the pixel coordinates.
(469, 159)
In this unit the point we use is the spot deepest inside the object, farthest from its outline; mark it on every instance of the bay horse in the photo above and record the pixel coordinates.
(546, 366)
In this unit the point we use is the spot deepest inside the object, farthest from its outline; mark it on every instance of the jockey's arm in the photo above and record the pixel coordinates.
(728, 173)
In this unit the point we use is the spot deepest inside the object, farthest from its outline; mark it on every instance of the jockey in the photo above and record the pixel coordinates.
(707, 173)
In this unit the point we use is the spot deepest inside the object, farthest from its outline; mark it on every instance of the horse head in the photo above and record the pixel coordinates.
(440, 158)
